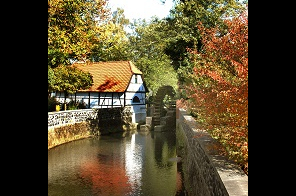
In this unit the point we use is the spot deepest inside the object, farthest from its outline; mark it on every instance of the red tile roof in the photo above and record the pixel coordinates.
(111, 76)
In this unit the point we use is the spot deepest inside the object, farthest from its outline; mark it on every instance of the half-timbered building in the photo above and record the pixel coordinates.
(115, 84)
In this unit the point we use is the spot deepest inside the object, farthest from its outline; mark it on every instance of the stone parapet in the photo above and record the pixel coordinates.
(68, 117)
(206, 171)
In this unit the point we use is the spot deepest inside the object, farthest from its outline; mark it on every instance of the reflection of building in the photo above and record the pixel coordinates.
(133, 163)
(116, 84)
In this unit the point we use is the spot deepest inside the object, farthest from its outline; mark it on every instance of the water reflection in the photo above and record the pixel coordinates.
(116, 165)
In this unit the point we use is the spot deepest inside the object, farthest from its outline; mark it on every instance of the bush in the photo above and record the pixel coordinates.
(52, 102)
(72, 105)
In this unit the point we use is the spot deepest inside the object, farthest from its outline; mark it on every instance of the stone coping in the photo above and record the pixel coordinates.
(233, 177)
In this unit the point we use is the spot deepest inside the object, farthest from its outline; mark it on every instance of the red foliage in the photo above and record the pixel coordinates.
(219, 85)
(106, 179)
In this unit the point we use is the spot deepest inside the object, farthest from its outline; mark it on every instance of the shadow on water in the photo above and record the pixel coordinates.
(139, 163)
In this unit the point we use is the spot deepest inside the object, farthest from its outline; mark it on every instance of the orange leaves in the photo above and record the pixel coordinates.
(72, 26)
(216, 76)
(218, 90)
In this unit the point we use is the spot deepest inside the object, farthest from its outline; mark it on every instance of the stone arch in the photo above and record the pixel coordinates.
(165, 90)
(161, 93)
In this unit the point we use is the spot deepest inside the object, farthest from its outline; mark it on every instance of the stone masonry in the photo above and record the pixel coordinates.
(206, 171)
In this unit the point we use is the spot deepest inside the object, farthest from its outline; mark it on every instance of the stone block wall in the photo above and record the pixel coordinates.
(114, 119)
(68, 117)
(110, 116)
(69, 125)
(206, 171)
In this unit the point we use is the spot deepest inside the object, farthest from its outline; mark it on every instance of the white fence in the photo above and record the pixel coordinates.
(62, 118)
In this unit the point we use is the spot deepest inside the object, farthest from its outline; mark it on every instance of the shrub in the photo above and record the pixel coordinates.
(52, 102)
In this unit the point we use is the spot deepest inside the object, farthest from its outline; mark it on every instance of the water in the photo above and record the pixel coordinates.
(123, 164)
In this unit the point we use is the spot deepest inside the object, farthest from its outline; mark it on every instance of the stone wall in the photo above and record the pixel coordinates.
(110, 116)
(206, 171)
(69, 125)
(114, 119)
(68, 117)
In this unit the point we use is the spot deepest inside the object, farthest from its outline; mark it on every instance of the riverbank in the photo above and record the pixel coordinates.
(64, 134)
(68, 133)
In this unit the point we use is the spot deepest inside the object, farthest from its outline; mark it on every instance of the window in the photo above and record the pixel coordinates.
(136, 79)
(136, 99)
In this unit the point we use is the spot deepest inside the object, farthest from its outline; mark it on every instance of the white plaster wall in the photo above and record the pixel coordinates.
(139, 113)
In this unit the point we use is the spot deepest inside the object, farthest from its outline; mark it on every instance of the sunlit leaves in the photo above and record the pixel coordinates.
(72, 28)
(218, 87)
(71, 79)
(112, 43)
(184, 30)
(147, 48)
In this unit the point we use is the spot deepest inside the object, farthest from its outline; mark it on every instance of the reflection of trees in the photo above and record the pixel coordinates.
(165, 148)
(106, 173)
(117, 165)
(106, 179)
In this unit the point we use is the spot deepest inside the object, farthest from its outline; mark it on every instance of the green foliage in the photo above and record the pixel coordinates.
(51, 78)
(52, 102)
(72, 105)
(72, 29)
(71, 79)
(183, 29)
(157, 73)
(112, 43)
(72, 33)
(147, 48)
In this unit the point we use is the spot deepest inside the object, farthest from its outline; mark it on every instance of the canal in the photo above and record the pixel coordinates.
(119, 164)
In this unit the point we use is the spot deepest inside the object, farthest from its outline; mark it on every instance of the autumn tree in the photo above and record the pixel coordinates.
(184, 33)
(73, 26)
(217, 89)
(72, 30)
(112, 43)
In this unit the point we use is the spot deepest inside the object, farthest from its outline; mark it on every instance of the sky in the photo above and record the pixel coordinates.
(144, 9)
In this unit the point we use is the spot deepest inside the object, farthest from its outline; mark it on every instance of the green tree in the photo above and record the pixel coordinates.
(147, 49)
(112, 43)
(73, 28)
(183, 29)
(71, 79)
(51, 79)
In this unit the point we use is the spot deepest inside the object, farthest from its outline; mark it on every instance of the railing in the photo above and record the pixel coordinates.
(62, 118)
